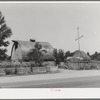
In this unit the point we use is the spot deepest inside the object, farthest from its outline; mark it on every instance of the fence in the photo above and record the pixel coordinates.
(36, 70)
(83, 65)
(2, 71)
(27, 70)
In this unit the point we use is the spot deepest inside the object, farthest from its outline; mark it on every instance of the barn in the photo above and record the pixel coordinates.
(20, 49)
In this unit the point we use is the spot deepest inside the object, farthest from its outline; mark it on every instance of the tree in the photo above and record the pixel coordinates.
(36, 55)
(59, 56)
(88, 53)
(3, 55)
(55, 55)
(95, 56)
(5, 32)
(67, 54)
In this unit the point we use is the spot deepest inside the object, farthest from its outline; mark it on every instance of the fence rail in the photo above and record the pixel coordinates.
(83, 65)
(27, 70)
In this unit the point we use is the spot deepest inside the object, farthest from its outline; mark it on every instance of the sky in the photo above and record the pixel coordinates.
(55, 23)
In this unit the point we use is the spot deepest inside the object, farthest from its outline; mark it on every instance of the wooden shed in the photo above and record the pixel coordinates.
(20, 49)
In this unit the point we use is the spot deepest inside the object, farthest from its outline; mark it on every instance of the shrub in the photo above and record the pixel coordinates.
(36, 55)
(9, 71)
(32, 64)
(48, 63)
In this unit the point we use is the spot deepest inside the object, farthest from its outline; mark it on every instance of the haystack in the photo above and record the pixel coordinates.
(81, 55)
(20, 49)
(78, 61)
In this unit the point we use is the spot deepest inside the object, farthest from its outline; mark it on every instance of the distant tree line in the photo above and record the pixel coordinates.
(61, 56)
(95, 56)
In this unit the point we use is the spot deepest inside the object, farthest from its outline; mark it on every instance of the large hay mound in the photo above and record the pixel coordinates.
(81, 54)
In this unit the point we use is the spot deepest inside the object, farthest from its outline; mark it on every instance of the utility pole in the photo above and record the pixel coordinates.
(78, 39)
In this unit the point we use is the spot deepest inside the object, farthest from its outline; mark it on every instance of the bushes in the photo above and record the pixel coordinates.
(48, 63)
(10, 71)
(26, 64)
(16, 65)
(17, 68)
(23, 68)
(5, 64)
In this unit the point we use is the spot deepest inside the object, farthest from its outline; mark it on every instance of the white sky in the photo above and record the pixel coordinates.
(55, 23)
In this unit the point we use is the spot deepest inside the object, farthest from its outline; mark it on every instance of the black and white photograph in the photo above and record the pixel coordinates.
(50, 45)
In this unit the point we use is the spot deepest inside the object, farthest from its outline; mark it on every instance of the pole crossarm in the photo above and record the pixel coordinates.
(79, 37)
